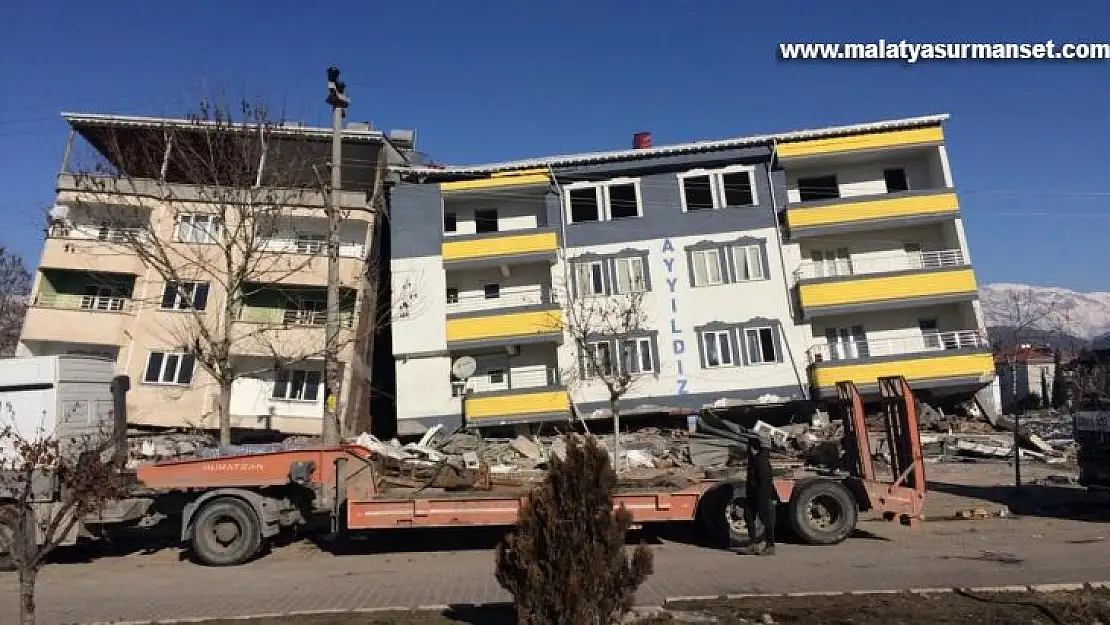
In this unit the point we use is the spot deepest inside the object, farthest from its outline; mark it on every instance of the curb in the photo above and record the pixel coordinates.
(1031, 588)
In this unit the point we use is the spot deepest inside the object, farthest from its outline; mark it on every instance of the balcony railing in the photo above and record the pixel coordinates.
(514, 380)
(88, 232)
(311, 246)
(291, 317)
(927, 342)
(518, 297)
(94, 303)
(910, 261)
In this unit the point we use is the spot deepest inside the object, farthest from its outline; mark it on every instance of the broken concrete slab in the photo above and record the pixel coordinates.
(527, 448)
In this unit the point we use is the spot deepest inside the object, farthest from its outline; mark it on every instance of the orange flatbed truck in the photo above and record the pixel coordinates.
(228, 508)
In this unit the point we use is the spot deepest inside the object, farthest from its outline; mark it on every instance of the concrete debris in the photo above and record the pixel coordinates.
(527, 448)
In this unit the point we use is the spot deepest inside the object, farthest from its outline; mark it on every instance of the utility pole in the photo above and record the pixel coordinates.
(337, 98)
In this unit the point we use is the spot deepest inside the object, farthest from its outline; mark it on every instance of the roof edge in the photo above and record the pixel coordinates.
(77, 121)
(566, 160)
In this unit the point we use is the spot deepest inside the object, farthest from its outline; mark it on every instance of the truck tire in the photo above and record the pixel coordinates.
(721, 517)
(823, 512)
(226, 532)
(9, 521)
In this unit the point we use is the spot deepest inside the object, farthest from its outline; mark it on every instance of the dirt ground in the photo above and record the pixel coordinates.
(1091, 606)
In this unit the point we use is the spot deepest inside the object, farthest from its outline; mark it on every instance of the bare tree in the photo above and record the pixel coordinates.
(1017, 317)
(218, 200)
(15, 285)
(603, 329)
(81, 480)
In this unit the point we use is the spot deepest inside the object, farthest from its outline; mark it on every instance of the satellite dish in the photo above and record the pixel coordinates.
(464, 367)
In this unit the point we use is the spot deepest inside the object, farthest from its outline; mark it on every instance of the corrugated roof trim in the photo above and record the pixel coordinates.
(78, 120)
(588, 158)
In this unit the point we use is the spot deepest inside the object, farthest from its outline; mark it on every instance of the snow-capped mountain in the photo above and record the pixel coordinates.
(1049, 308)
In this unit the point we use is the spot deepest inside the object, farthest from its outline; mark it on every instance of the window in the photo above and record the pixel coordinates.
(818, 188)
(707, 267)
(103, 298)
(452, 295)
(705, 190)
(638, 356)
(492, 291)
(598, 359)
(485, 221)
(297, 385)
(615, 199)
(749, 262)
(311, 243)
(177, 296)
(761, 345)
(717, 346)
(930, 332)
(630, 275)
(199, 228)
(895, 180)
(449, 222)
(847, 343)
(496, 376)
(169, 368)
(590, 278)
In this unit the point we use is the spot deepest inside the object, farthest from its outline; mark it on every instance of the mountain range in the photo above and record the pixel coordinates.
(1047, 310)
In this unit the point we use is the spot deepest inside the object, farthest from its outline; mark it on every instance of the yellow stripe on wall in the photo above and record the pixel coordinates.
(522, 404)
(496, 181)
(863, 290)
(871, 141)
(508, 325)
(965, 365)
(500, 246)
(853, 212)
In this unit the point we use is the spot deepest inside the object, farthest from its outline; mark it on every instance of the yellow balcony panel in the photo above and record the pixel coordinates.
(861, 142)
(499, 180)
(512, 326)
(506, 246)
(871, 291)
(517, 406)
(880, 211)
(967, 370)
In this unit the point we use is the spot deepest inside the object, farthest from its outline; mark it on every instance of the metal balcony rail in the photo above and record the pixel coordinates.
(291, 317)
(95, 303)
(868, 348)
(517, 297)
(87, 232)
(311, 246)
(856, 266)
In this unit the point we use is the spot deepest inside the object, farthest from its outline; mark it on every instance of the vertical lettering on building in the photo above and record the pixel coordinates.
(678, 345)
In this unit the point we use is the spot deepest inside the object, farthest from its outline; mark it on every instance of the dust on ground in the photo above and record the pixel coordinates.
(1088, 606)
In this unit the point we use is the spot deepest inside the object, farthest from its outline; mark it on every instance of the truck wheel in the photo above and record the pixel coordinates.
(721, 517)
(226, 532)
(823, 512)
(8, 523)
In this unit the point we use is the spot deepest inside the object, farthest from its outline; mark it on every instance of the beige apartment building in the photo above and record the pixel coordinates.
(99, 289)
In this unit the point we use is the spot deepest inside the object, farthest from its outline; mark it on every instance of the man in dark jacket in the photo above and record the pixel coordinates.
(761, 499)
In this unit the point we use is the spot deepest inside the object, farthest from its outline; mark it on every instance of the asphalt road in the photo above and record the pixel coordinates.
(393, 570)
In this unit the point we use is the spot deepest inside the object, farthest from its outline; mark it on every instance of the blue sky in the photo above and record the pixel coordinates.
(484, 80)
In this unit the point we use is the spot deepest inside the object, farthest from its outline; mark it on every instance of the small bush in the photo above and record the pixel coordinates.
(565, 562)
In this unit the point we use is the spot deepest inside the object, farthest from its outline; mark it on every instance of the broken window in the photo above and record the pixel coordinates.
(698, 193)
(623, 202)
(584, 205)
(705, 190)
(895, 180)
(761, 345)
(818, 188)
(485, 221)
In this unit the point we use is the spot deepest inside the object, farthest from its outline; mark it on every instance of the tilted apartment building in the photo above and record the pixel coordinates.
(771, 267)
(93, 294)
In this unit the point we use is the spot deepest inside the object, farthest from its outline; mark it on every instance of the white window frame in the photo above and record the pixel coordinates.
(717, 186)
(294, 391)
(175, 375)
(587, 361)
(748, 332)
(716, 254)
(745, 252)
(629, 262)
(586, 268)
(716, 336)
(179, 303)
(601, 189)
(187, 228)
(641, 345)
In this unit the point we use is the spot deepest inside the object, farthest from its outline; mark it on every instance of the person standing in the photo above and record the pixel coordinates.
(761, 499)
